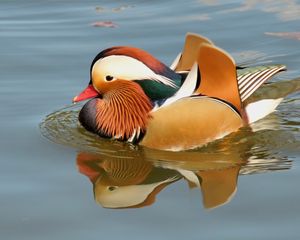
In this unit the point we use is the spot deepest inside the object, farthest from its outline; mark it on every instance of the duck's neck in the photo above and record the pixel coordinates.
(122, 113)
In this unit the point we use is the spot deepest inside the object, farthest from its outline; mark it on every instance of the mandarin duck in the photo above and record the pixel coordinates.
(201, 97)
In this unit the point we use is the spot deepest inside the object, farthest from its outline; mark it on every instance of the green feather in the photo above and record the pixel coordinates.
(156, 90)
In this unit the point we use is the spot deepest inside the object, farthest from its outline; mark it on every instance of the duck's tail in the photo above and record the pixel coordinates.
(265, 100)
(251, 78)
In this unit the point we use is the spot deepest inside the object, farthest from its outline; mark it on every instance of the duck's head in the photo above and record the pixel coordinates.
(124, 83)
(119, 64)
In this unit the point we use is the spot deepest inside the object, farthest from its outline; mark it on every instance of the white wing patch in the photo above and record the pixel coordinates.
(175, 62)
(187, 88)
(127, 68)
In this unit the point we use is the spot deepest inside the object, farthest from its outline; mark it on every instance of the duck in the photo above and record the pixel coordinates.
(201, 97)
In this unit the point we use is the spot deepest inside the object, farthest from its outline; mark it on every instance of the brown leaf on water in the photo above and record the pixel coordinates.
(107, 24)
(122, 8)
(100, 9)
(290, 35)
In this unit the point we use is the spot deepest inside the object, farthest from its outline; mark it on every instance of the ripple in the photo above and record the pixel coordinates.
(62, 127)
(266, 149)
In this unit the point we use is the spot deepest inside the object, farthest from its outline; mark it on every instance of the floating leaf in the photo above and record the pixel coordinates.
(290, 35)
(121, 8)
(107, 24)
(100, 9)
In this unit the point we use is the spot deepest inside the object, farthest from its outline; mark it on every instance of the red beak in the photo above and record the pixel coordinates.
(87, 93)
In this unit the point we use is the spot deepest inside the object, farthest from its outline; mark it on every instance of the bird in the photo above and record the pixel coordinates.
(203, 96)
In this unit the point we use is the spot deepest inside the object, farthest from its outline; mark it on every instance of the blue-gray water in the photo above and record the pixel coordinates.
(46, 189)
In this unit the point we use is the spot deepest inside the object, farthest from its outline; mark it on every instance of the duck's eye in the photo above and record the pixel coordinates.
(109, 78)
(112, 188)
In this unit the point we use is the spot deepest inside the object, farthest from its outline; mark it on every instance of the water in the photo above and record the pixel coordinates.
(47, 189)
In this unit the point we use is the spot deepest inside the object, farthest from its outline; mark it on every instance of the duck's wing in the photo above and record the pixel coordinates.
(208, 105)
(185, 59)
(205, 108)
(218, 75)
(219, 79)
(212, 75)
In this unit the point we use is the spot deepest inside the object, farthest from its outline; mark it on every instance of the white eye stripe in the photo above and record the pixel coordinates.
(127, 68)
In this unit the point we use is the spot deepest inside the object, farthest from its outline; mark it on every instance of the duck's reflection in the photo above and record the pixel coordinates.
(123, 177)
(127, 178)
(124, 182)
(120, 182)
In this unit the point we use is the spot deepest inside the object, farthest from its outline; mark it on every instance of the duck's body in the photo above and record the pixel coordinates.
(138, 99)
